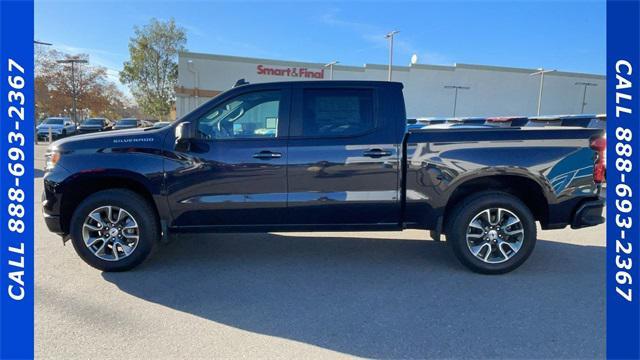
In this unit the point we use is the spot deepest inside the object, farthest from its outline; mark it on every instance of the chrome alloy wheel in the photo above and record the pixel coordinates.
(110, 233)
(495, 235)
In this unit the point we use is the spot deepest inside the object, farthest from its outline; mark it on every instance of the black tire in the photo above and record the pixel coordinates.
(64, 133)
(138, 207)
(461, 217)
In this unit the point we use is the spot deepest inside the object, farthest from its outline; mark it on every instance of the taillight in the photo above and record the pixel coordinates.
(599, 145)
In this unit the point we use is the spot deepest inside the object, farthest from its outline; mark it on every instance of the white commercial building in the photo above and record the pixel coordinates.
(430, 90)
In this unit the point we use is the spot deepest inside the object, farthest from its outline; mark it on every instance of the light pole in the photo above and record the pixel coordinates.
(390, 37)
(540, 72)
(73, 62)
(330, 66)
(455, 98)
(584, 93)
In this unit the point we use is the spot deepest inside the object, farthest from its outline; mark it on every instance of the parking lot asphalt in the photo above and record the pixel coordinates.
(319, 295)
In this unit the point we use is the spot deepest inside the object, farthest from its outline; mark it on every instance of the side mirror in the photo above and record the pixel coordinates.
(184, 134)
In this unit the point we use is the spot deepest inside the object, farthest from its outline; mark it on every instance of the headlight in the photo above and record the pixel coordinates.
(51, 159)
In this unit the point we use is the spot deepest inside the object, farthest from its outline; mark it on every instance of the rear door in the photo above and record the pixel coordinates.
(343, 155)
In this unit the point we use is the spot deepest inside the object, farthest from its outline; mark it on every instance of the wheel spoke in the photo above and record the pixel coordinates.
(126, 249)
(91, 227)
(513, 232)
(114, 250)
(477, 224)
(513, 246)
(121, 215)
(486, 255)
(487, 213)
(476, 250)
(92, 241)
(503, 252)
(100, 250)
(512, 221)
(110, 213)
(96, 216)
(475, 236)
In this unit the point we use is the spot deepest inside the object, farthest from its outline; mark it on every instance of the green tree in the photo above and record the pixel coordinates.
(152, 70)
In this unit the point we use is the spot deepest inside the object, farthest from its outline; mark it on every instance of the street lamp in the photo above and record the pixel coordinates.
(390, 37)
(330, 66)
(73, 62)
(541, 72)
(584, 93)
(455, 99)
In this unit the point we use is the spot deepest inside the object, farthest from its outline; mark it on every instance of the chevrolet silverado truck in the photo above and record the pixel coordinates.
(320, 156)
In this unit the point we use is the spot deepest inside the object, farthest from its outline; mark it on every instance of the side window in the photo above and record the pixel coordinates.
(337, 112)
(251, 115)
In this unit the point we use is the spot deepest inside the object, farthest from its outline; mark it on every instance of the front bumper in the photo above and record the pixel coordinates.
(589, 213)
(52, 200)
(46, 135)
(53, 223)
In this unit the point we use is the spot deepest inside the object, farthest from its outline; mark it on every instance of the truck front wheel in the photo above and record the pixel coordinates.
(492, 232)
(114, 230)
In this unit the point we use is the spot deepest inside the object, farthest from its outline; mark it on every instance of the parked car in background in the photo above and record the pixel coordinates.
(94, 125)
(58, 126)
(127, 123)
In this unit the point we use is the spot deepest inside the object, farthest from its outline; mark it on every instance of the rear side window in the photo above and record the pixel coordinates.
(337, 112)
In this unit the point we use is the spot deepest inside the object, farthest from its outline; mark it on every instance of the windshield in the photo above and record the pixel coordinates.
(53, 121)
(92, 122)
(127, 122)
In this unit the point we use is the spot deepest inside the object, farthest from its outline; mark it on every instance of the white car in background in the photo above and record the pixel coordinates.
(59, 127)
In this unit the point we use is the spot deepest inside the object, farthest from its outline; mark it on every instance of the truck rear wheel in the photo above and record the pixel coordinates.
(114, 230)
(492, 232)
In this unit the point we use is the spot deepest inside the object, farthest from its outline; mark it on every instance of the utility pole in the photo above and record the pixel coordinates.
(330, 66)
(73, 62)
(540, 72)
(455, 98)
(584, 93)
(390, 37)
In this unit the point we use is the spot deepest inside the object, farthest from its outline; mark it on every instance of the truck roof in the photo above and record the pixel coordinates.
(329, 82)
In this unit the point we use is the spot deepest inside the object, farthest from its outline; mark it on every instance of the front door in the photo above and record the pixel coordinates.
(234, 173)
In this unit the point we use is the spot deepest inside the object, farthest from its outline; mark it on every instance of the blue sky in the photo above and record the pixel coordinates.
(565, 35)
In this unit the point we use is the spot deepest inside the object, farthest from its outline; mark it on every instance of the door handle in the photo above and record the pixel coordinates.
(266, 155)
(376, 153)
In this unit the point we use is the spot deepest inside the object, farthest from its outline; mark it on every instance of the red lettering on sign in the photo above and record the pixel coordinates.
(290, 72)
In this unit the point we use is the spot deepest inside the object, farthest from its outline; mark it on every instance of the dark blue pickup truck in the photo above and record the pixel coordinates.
(320, 156)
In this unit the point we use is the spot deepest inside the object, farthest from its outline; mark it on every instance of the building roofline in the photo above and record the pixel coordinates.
(453, 67)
